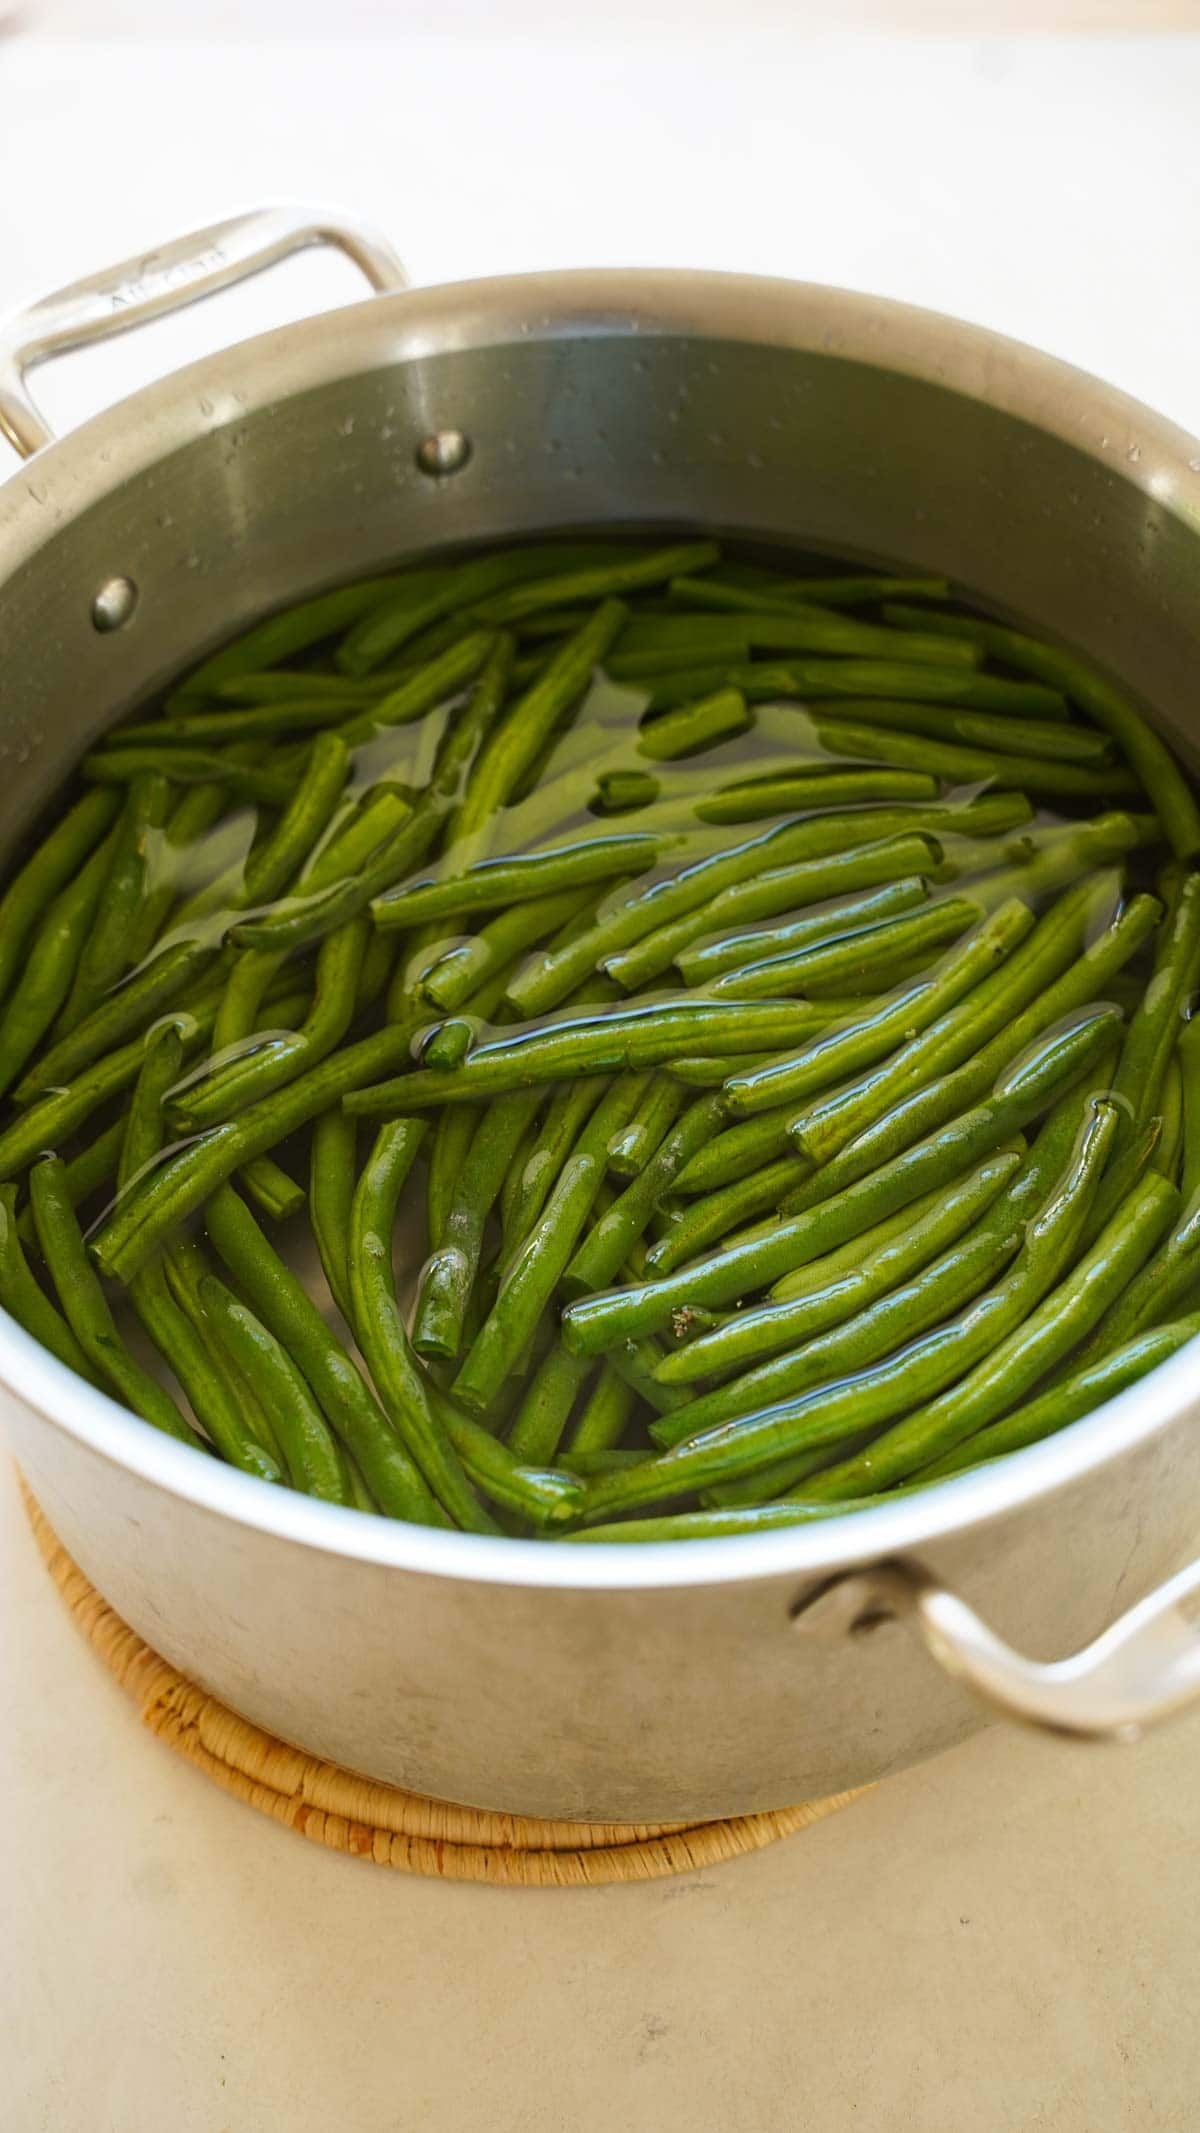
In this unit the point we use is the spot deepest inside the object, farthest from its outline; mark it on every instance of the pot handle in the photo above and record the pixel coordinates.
(165, 280)
(1141, 1670)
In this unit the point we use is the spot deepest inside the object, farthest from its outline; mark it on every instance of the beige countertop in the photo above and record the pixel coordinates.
(1003, 1941)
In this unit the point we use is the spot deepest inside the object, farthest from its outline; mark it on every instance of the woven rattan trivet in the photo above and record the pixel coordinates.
(333, 1807)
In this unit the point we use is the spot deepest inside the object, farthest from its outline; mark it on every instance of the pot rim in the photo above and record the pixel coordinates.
(1140, 448)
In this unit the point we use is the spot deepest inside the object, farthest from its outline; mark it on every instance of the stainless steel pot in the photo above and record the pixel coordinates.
(607, 1683)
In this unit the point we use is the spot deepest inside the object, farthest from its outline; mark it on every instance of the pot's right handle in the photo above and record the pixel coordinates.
(1143, 1669)
(178, 273)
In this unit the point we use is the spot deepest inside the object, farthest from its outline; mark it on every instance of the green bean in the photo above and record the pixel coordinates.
(316, 909)
(997, 1066)
(271, 1189)
(1149, 756)
(456, 974)
(720, 1214)
(50, 1120)
(698, 966)
(878, 1395)
(515, 742)
(847, 1258)
(24, 1300)
(133, 1006)
(1087, 1388)
(444, 592)
(452, 1137)
(566, 1115)
(503, 882)
(1189, 1061)
(725, 1276)
(1057, 857)
(89, 1172)
(449, 1042)
(1154, 1028)
(190, 1176)
(54, 865)
(673, 914)
(603, 1253)
(545, 1496)
(185, 1264)
(271, 867)
(215, 1401)
(281, 636)
(670, 915)
(553, 622)
(963, 857)
(631, 1148)
(430, 684)
(341, 883)
(1055, 969)
(891, 679)
(905, 1309)
(869, 1035)
(449, 1274)
(737, 1152)
(598, 583)
(695, 727)
(376, 973)
(142, 1139)
(769, 589)
(361, 837)
(529, 1151)
(380, 1328)
(716, 1524)
(850, 957)
(1165, 1158)
(586, 1463)
(1069, 1310)
(285, 1308)
(605, 1416)
(546, 1406)
(283, 689)
(85, 1308)
(189, 766)
(537, 1266)
(314, 1461)
(652, 644)
(332, 1172)
(638, 1036)
(697, 1071)
(1002, 733)
(235, 1083)
(252, 972)
(753, 800)
(52, 962)
(312, 710)
(184, 848)
(783, 594)
(105, 955)
(621, 791)
(773, 1326)
(1153, 1294)
(960, 766)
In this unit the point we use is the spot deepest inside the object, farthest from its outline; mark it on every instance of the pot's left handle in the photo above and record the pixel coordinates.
(165, 280)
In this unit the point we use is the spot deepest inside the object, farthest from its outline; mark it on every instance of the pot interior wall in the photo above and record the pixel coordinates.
(772, 443)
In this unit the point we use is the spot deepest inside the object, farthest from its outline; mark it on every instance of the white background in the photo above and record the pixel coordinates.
(1008, 1940)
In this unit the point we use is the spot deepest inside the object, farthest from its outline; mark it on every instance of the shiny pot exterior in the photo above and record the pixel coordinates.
(600, 1683)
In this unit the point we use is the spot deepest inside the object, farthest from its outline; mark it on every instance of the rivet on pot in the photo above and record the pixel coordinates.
(446, 452)
(114, 604)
